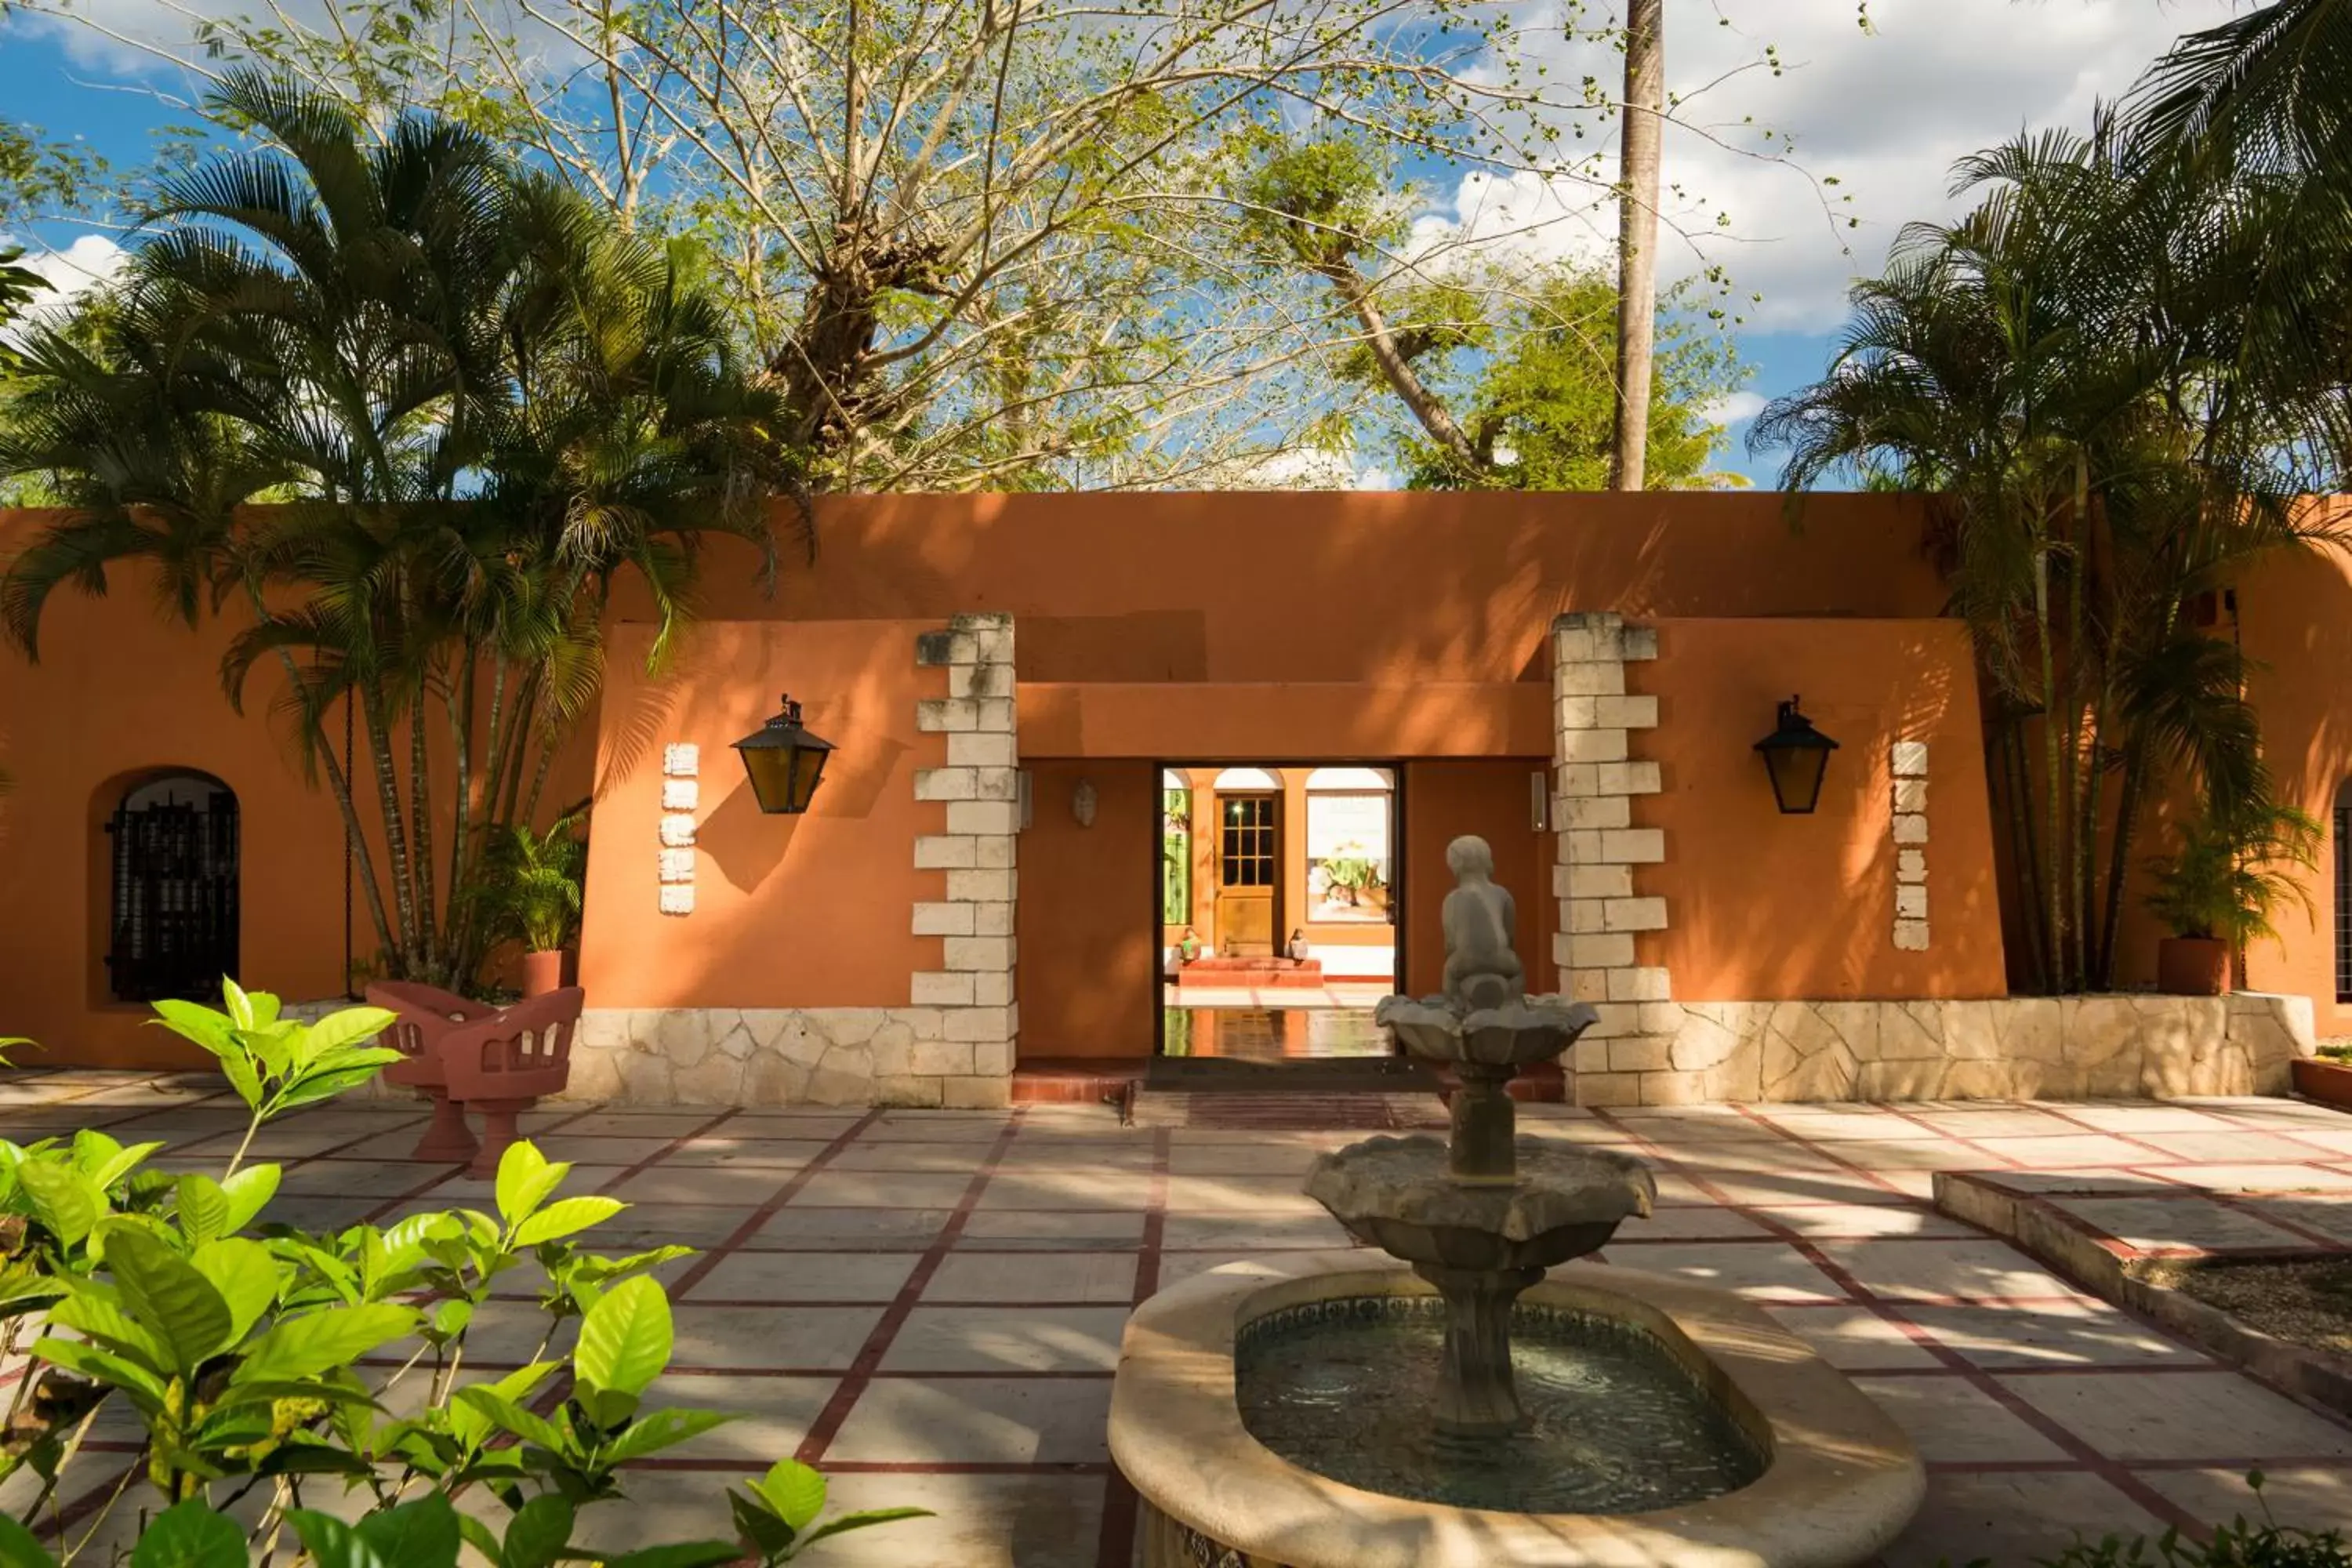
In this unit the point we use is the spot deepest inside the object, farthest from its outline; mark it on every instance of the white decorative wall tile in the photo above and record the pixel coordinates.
(678, 829)
(677, 865)
(1910, 759)
(678, 899)
(1906, 761)
(680, 795)
(682, 760)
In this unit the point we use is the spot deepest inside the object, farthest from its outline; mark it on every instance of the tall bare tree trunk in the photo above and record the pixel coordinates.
(1637, 237)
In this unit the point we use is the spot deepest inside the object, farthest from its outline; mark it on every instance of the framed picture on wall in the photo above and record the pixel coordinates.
(1348, 856)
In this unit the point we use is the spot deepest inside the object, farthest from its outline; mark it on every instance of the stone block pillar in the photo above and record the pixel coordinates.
(1596, 727)
(980, 788)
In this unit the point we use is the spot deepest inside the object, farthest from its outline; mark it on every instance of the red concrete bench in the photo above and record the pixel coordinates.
(463, 1054)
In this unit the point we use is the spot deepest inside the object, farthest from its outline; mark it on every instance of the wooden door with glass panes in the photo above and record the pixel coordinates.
(1249, 873)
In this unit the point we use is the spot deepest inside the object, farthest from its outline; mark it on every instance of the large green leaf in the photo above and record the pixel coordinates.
(141, 1386)
(659, 1430)
(170, 1297)
(247, 1277)
(539, 1531)
(794, 1490)
(526, 1178)
(625, 1338)
(508, 1416)
(203, 1208)
(864, 1520)
(190, 1535)
(215, 1031)
(241, 1010)
(679, 1554)
(564, 1218)
(417, 1541)
(19, 1547)
(64, 1199)
(345, 1028)
(470, 1423)
(296, 1347)
(248, 1192)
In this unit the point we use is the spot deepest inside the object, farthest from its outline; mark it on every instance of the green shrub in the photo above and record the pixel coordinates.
(2237, 1544)
(235, 1341)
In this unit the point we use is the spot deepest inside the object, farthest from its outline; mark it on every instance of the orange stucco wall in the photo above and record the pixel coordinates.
(1442, 801)
(790, 911)
(1761, 905)
(2294, 620)
(1087, 968)
(123, 693)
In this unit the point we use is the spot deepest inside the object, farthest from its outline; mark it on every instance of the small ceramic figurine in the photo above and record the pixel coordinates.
(1297, 948)
(1187, 946)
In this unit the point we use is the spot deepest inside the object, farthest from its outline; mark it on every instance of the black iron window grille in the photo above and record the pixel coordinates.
(174, 926)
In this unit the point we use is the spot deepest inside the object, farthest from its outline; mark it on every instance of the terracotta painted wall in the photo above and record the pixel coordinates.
(1390, 588)
(1762, 906)
(2295, 621)
(791, 911)
(1489, 798)
(121, 692)
(1088, 970)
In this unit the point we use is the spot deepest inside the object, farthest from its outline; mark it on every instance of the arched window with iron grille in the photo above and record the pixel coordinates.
(175, 883)
(2343, 846)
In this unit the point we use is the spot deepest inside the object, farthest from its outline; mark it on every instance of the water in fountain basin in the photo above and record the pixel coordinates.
(1614, 1424)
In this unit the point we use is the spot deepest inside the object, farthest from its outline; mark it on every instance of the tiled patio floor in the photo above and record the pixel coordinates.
(928, 1304)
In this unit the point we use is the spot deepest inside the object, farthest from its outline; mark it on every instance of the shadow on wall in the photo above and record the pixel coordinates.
(1765, 906)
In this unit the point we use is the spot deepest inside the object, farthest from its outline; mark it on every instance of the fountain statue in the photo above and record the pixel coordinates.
(1350, 1410)
(1482, 1215)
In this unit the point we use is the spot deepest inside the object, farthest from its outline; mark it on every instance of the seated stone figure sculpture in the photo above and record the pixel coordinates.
(1480, 921)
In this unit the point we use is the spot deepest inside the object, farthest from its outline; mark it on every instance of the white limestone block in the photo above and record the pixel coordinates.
(1911, 936)
(677, 865)
(681, 794)
(1911, 902)
(1910, 864)
(678, 829)
(682, 760)
(677, 898)
(1909, 758)
(1910, 827)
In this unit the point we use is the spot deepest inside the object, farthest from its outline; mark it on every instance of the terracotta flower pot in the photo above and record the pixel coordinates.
(543, 972)
(2193, 967)
(2328, 1082)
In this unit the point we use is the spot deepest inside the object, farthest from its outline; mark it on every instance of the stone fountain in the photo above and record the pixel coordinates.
(1484, 1214)
(1351, 1410)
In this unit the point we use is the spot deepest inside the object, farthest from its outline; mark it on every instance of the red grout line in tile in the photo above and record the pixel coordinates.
(1914, 1119)
(785, 1191)
(828, 1423)
(2230, 1201)
(2109, 1470)
(666, 1150)
(1115, 1546)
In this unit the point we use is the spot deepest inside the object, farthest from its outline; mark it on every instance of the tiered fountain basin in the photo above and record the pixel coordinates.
(1834, 1480)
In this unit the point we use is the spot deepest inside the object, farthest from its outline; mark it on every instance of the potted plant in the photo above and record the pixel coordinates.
(2217, 893)
(530, 893)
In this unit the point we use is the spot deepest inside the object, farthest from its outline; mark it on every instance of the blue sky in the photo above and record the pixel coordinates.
(1884, 113)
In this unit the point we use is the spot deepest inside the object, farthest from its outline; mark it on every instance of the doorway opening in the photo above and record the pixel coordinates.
(1279, 909)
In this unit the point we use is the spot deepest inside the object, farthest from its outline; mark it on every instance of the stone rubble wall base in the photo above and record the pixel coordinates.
(2064, 1047)
(778, 1056)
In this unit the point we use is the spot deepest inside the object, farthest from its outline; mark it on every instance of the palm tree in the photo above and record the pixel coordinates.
(477, 404)
(2063, 368)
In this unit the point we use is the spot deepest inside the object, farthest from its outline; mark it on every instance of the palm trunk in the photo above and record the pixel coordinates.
(2017, 792)
(461, 744)
(420, 861)
(396, 833)
(2119, 856)
(2082, 774)
(1637, 237)
(2053, 934)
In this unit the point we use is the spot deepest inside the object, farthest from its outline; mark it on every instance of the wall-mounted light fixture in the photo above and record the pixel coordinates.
(1796, 755)
(1083, 803)
(785, 761)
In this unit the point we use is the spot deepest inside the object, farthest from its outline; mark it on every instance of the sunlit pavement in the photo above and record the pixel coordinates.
(928, 1304)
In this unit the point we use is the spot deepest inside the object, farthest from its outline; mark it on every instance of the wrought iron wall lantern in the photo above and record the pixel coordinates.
(785, 761)
(1796, 755)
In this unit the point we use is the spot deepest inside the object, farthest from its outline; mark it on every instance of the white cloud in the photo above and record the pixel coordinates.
(1732, 408)
(87, 262)
(1885, 113)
